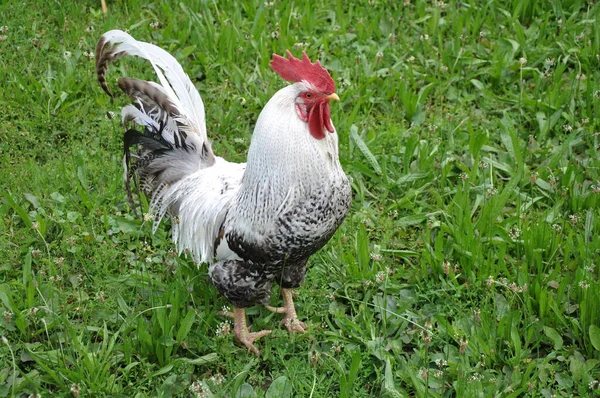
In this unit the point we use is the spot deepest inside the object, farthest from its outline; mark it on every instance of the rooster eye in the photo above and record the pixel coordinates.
(308, 95)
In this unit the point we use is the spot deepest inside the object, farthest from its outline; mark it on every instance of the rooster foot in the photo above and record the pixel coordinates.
(241, 331)
(290, 320)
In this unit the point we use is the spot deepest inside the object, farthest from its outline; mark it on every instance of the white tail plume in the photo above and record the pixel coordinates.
(174, 81)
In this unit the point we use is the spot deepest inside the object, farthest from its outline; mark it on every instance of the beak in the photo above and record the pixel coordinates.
(333, 96)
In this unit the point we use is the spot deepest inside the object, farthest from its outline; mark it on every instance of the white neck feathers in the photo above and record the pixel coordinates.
(284, 160)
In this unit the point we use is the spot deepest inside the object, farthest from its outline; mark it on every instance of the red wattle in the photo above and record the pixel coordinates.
(327, 118)
(315, 121)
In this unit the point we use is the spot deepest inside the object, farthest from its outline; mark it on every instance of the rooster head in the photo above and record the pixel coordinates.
(312, 104)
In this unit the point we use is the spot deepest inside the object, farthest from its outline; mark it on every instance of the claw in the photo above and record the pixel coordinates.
(241, 331)
(290, 320)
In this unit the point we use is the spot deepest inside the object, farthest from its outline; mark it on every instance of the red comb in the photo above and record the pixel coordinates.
(295, 70)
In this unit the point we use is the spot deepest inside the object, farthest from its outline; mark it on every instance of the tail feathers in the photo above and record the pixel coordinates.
(158, 163)
(166, 121)
(176, 85)
(163, 122)
(148, 93)
(153, 106)
(167, 151)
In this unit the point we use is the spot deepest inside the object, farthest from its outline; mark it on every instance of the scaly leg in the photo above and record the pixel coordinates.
(290, 320)
(241, 330)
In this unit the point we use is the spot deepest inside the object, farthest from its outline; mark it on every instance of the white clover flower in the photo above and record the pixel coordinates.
(217, 379)
(223, 329)
(584, 285)
(75, 390)
(514, 233)
(199, 389)
(8, 316)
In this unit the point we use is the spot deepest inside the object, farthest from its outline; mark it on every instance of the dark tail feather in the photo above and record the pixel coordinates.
(152, 145)
(131, 138)
(104, 57)
(170, 145)
(141, 90)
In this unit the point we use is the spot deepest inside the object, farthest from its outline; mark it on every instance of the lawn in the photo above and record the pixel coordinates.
(469, 262)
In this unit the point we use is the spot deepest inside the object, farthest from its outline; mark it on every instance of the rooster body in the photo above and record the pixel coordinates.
(254, 223)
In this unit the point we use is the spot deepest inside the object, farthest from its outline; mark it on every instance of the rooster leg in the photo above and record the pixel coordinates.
(290, 320)
(241, 330)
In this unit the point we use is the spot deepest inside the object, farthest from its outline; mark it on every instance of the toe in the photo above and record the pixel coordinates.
(227, 314)
(277, 310)
(294, 325)
(257, 335)
(252, 347)
(300, 327)
(249, 338)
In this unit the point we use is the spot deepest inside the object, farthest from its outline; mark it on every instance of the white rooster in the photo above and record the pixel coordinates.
(254, 223)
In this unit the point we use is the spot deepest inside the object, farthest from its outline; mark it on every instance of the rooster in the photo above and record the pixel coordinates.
(254, 223)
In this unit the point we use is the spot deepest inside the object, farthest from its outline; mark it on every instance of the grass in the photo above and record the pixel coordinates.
(468, 265)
